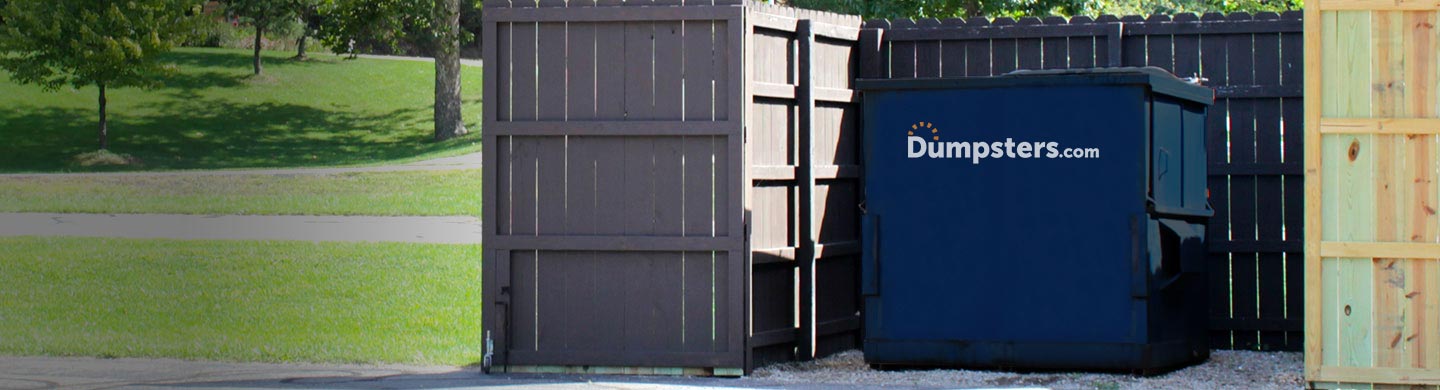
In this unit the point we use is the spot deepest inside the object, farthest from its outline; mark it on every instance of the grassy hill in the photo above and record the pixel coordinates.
(214, 115)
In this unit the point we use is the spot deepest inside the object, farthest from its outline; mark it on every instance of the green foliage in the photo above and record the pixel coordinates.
(383, 22)
(214, 32)
(389, 26)
(265, 14)
(54, 43)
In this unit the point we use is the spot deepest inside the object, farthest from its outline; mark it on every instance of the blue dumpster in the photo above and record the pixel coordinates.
(1041, 220)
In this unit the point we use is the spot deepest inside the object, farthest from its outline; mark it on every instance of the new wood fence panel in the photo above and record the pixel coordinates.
(1253, 134)
(1370, 220)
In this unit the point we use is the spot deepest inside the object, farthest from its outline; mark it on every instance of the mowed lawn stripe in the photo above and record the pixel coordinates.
(241, 301)
(418, 193)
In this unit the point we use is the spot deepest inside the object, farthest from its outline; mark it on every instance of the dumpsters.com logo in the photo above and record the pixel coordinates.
(924, 142)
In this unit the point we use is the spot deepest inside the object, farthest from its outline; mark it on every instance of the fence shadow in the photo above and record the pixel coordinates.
(200, 133)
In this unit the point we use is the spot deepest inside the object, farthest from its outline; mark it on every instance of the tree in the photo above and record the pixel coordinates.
(433, 24)
(263, 15)
(448, 121)
(383, 22)
(309, 13)
(79, 43)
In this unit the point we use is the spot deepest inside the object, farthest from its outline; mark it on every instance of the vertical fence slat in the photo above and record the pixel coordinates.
(1186, 53)
(903, 55)
(1292, 73)
(1243, 208)
(977, 52)
(670, 186)
(952, 52)
(1055, 49)
(1003, 52)
(1159, 50)
(700, 186)
(609, 81)
(1081, 50)
(927, 53)
(1132, 52)
(1029, 52)
(551, 267)
(1213, 68)
(1269, 192)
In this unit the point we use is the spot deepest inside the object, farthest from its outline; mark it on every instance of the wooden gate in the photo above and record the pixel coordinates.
(618, 213)
(1372, 292)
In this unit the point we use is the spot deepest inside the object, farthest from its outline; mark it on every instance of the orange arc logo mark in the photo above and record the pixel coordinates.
(926, 126)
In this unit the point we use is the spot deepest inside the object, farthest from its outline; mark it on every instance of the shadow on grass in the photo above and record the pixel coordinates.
(208, 134)
(192, 85)
(238, 60)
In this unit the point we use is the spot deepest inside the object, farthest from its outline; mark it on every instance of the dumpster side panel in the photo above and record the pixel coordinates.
(1035, 251)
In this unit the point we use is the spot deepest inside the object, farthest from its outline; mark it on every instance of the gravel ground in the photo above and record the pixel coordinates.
(1224, 370)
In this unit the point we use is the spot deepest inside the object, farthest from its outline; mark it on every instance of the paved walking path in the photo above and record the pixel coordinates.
(36, 373)
(463, 61)
(461, 162)
(433, 230)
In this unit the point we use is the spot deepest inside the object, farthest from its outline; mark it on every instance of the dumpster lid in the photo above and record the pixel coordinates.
(1159, 81)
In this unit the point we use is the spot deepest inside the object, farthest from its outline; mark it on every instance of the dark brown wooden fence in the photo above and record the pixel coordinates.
(648, 197)
(1255, 128)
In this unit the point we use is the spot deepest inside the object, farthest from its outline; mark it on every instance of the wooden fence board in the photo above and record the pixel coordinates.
(977, 53)
(1029, 52)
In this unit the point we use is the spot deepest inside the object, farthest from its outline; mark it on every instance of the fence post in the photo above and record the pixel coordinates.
(1115, 38)
(872, 50)
(805, 175)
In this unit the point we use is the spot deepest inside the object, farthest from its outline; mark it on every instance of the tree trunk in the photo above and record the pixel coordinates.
(972, 8)
(104, 121)
(449, 123)
(259, 31)
(300, 52)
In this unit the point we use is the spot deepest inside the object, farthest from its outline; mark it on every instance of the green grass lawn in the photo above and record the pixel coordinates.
(439, 193)
(214, 115)
(241, 301)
